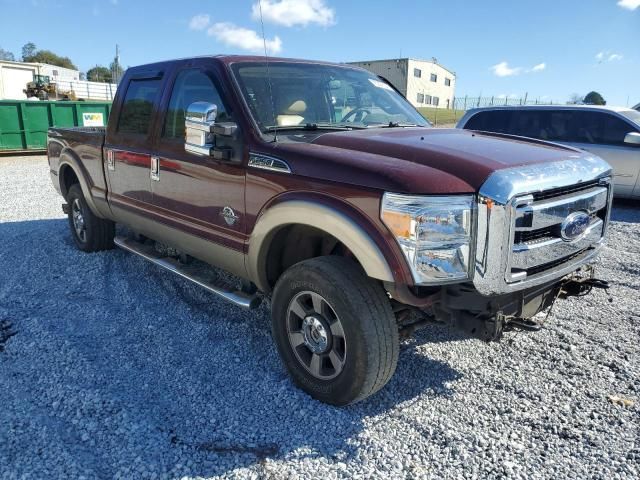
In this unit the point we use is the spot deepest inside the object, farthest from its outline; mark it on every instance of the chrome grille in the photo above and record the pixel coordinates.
(519, 242)
(537, 244)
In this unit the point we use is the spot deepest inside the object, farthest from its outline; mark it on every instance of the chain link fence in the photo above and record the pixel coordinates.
(448, 117)
(465, 103)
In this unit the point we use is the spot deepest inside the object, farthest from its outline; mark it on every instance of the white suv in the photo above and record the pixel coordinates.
(609, 132)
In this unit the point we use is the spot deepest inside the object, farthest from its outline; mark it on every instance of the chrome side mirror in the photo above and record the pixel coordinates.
(632, 138)
(198, 127)
(201, 129)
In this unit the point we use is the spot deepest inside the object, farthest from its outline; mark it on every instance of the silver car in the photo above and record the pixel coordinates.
(609, 132)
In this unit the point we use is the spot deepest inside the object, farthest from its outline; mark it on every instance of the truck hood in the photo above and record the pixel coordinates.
(469, 156)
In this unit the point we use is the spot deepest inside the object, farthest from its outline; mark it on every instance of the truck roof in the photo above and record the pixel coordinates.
(230, 59)
(553, 107)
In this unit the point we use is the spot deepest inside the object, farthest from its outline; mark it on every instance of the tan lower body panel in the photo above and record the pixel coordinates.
(219, 256)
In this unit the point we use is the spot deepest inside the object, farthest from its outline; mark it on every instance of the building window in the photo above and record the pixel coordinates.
(434, 77)
(427, 99)
(435, 101)
(421, 98)
(417, 73)
(447, 82)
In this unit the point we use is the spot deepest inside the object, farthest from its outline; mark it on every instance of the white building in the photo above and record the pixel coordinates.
(14, 77)
(424, 83)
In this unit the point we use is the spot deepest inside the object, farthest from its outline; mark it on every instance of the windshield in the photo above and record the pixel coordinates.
(632, 115)
(321, 96)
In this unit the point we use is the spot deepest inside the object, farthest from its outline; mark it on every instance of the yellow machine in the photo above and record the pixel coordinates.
(42, 88)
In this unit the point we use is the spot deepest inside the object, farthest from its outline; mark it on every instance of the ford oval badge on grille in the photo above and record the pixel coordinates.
(574, 226)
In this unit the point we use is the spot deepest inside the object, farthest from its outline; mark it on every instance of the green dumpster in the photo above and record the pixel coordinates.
(24, 124)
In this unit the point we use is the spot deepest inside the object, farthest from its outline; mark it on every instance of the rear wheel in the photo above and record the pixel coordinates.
(334, 329)
(89, 232)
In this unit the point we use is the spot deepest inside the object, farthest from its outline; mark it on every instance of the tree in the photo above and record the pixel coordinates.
(99, 74)
(575, 99)
(594, 98)
(28, 51)
(6, 55)
(31, 54)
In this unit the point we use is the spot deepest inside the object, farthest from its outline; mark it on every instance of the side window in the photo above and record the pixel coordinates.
(529, 124)
(558, 126)
(190, 86)
(587, 127)
(615, 129)
(492, 121)
(135, 116)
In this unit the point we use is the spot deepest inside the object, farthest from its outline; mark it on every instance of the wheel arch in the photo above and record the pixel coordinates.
(323, 216)
(70, 167)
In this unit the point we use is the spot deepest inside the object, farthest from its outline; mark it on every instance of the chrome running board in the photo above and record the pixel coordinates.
(195, 275)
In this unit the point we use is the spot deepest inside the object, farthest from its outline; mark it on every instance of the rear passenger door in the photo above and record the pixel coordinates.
(603, 134)
(128, 143)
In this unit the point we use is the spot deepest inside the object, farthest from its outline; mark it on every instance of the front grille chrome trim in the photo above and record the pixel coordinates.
(581, 182)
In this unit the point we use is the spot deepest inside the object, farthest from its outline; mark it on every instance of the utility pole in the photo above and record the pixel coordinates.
(116, 69)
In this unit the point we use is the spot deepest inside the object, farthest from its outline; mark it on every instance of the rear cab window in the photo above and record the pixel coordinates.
(137, 108)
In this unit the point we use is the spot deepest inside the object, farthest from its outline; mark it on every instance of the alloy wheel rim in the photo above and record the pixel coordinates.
(78, 220)
(316, 335)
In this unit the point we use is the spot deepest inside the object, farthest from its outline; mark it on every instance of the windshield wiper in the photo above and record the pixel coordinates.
(308, 127)
(400, 125)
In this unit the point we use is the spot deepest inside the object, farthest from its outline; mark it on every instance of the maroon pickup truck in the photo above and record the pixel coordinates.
(320, 187)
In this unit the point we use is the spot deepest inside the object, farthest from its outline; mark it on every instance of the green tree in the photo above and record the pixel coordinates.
(594, 98)
(28, 51)
(6, 55)
(99, 74)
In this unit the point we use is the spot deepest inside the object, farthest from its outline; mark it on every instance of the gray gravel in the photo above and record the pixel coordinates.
(116, 369)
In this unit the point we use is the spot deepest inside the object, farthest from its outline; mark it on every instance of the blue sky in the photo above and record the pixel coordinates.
(547, 48)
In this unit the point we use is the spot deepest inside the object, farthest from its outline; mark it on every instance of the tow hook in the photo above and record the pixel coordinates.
(578, 287)
(527, 324)
(65, 208)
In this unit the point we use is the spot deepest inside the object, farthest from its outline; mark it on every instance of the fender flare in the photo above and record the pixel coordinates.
(69, 159)
(322, 217)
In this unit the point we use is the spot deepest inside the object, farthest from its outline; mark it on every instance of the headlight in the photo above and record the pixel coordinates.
(434, 234)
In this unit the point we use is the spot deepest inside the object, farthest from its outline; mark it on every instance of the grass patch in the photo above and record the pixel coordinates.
(441, 116)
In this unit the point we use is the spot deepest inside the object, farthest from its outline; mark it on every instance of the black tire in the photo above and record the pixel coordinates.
(370, 332)
(98, 232)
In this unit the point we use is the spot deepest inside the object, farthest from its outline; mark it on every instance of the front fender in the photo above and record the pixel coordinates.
(323, 217)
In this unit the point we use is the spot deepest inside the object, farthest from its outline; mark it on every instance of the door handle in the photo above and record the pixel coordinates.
(155, 169)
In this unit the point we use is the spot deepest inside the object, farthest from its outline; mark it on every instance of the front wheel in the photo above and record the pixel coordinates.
(334, 329)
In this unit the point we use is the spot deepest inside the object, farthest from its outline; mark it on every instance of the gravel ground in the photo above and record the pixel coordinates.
(112, 368)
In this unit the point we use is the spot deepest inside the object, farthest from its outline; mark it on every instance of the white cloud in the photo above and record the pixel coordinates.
(290, 13)
(539, 67)
(503, 69)
(199, 22)
(243, 38)
(629, 4)
(607, 56)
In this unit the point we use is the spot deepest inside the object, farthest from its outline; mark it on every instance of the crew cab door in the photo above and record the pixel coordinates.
(127, 149)
(197, 194)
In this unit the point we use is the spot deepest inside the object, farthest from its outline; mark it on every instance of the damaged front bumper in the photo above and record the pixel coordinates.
(488, 318)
